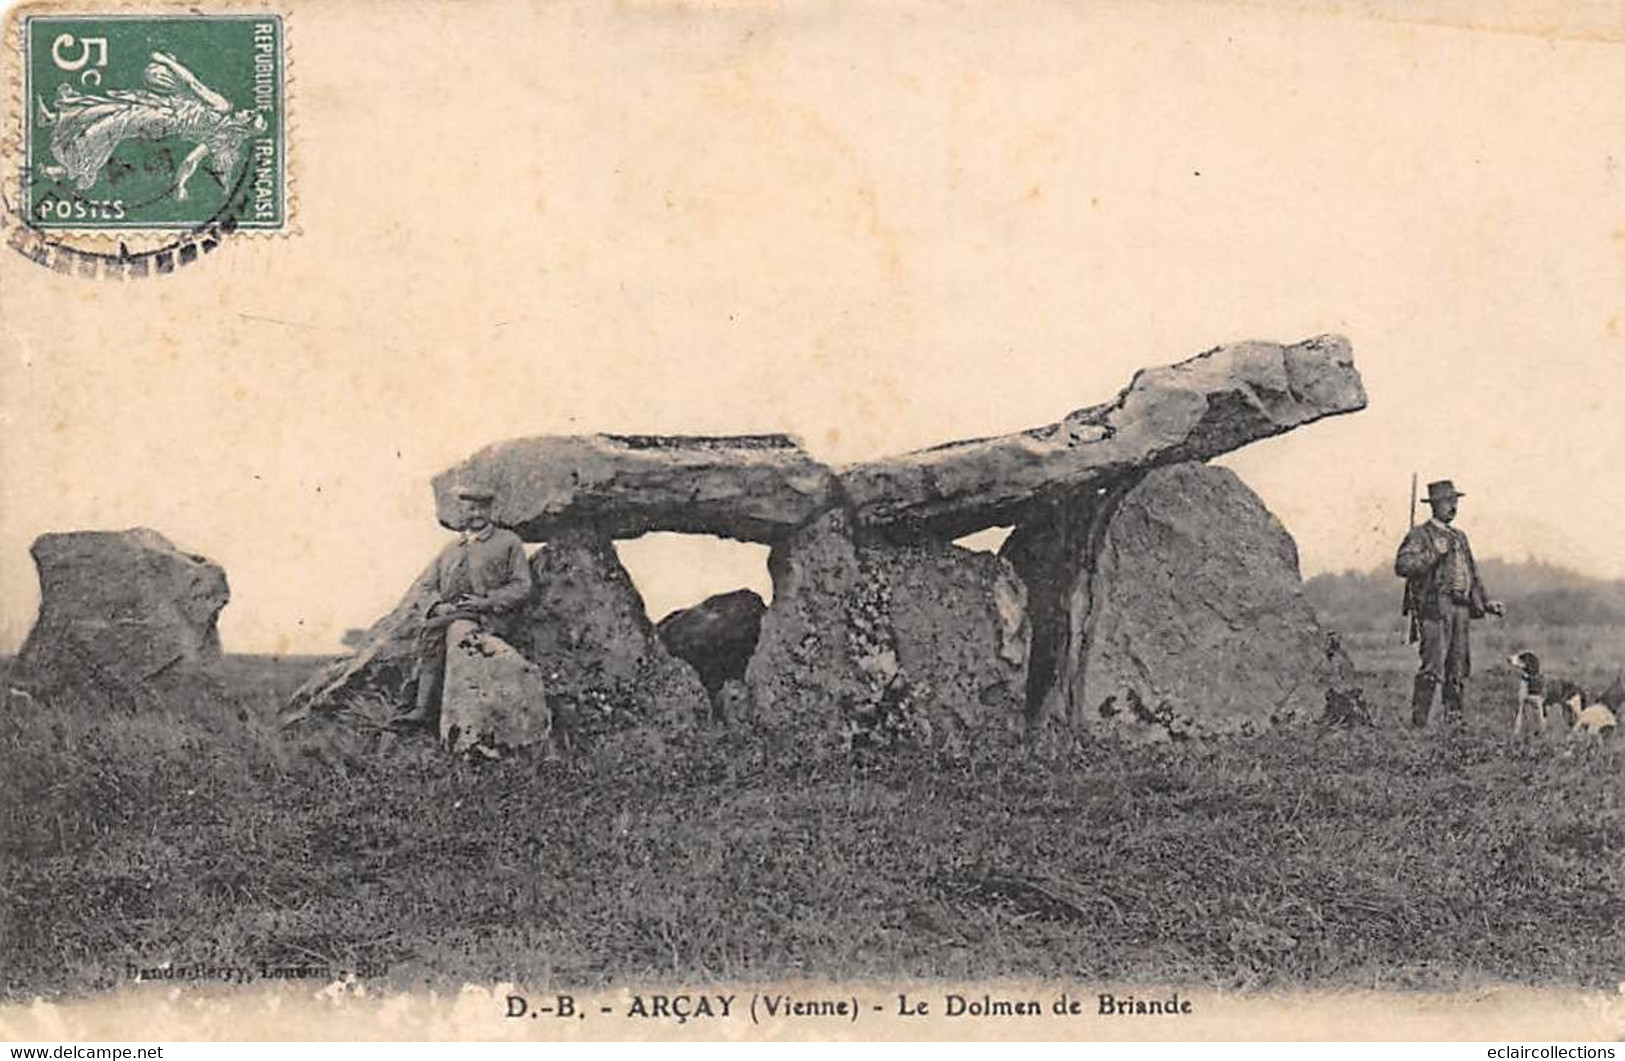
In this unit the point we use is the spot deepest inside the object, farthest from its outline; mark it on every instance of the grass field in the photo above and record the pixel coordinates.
(197, 834)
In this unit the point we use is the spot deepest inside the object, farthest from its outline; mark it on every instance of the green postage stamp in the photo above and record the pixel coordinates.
(170, 121)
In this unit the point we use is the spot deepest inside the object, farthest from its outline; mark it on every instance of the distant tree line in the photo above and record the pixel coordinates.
(1534, 592)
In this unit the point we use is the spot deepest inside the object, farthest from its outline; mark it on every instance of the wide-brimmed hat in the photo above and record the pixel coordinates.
(1442, 490)
(471, 492)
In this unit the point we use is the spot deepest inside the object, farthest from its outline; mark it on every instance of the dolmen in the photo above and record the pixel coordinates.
(1140, 593)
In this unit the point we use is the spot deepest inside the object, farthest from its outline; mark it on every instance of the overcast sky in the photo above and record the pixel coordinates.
(877, 231)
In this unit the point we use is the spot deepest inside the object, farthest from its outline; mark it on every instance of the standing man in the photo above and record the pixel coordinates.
(1443, 595)
(482, 576)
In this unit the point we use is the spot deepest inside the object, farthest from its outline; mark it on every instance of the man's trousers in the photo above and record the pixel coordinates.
(1446, 662)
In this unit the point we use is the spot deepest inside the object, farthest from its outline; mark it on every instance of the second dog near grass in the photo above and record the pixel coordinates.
(1539, 695)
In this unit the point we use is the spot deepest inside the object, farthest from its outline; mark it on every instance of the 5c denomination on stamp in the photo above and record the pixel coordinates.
(154, 122)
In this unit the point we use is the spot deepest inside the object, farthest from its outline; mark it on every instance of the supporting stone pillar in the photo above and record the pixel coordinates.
(1170, 606)
(926, 640)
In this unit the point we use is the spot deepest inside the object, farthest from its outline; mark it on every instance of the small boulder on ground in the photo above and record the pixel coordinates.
(493, 698)
(122, 608)
(716, 637)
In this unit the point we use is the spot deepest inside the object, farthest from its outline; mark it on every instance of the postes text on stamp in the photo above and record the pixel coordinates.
(158, 122)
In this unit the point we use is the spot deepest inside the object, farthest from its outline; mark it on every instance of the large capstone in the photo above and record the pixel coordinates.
(926, 640)
(120, 608)
(748, 487)
(1193, 410)
(762, 488)
(1169, 605)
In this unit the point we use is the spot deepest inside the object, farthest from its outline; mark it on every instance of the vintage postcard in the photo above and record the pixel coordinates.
(536, 521)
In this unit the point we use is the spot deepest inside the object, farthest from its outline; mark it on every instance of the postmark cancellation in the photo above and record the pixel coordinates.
(145, 137)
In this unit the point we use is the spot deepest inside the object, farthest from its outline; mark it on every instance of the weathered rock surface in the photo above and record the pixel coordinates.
(1053, 551)
(763, 487)
(803, 668)
(716, 636)
(587, 629)
(493, 697)
(122, 607)
(1170, 607)
(959, 623)
(1200, 408)
(926, 639)
(749, 487)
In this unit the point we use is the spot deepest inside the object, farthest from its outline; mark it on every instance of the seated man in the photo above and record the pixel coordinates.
(482, 576)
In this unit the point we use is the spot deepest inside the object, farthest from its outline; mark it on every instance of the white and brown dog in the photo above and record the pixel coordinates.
(1539, 694)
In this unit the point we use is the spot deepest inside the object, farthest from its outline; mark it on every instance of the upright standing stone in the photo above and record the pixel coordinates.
(586, 627)
(1054, 551)
(928, 637)
(1172, 607)
(959, 624)
(803, 668)
(124, 606)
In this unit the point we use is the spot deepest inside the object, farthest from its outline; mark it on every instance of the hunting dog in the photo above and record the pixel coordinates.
(1540, 694)
(1596, 720)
